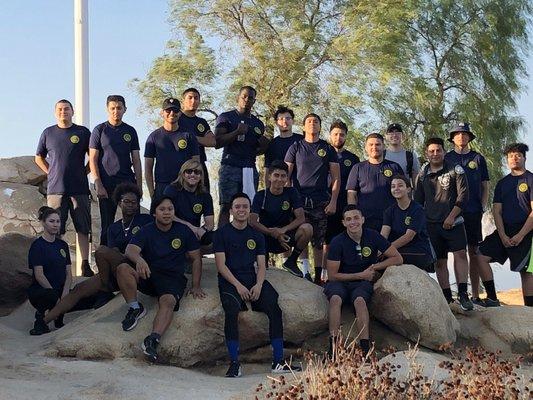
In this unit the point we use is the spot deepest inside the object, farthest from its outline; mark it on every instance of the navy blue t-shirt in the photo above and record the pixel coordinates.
(347, 160)
(190, 206)
(53, 257)
(115, 144)
(241, 153)
(515, 193)
(312, 167)
(372, 184)
(119, 235)
(414, 218)
(277, 148)
(165, 251)
(65, 149)
(356, 257)
(476, 171)
(276, 211)
(196, 125)
(170, 150)
(241, 247)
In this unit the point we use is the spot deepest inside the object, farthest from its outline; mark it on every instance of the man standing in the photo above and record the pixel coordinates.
(313, 160)
(169, 146)
(408, 160)
(513, 216)
(442, 190)
(477, 175)
(113, 151)
(241, 134)
(369, 182)
(61, 155)
(188, 121)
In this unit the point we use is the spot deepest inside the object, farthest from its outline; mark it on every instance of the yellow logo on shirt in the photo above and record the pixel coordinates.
(366, 251)
(197, 208)
(75, 139)
(257, 130)
(523, 187)
(250, 243)
(176, 243)
(182, 144)
(63, 253)
(347, 162)
(285, 205)
(200, 128)
(135, 230)
(127, 137)
(321, 152)
(387, 173)
(472, 165)
(407, 220)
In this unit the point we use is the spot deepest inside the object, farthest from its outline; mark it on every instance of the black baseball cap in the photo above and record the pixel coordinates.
(394, 128)
(461, 127)
(171, 103)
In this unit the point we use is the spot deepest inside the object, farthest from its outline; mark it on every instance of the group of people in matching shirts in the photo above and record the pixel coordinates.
(360, 217)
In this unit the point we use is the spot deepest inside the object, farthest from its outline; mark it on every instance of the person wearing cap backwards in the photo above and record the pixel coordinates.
(188, 121)
(61, 155)
(477, 176)
(408, 160)
(513, 216)
(113, 151)
(241, 134)
(442, 189)
(169, 146)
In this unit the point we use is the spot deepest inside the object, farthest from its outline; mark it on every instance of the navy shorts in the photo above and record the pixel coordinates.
(473, 227)
(518, 256)
(446, 241)
(273, 246)
(349, 290)
(164, 282)
(230, 182)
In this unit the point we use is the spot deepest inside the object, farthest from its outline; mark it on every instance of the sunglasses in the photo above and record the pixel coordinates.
(193, 171)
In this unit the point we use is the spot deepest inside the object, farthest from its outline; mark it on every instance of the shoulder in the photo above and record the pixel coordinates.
(338, 240)
(145, 218)
(37, 244)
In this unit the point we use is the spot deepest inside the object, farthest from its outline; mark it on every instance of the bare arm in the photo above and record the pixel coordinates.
(254, 223)
(335, 275)
(526, 228)
(385, 231)
(68, 280)
(352, 197)
(149, 175)
(209, 222)
(334, 171)
(223, 137)
(95, 173)
(196, 258)
(255, 291)
(208, 140)
(392, 257)
(263, 144)
(40, 278)
(137, 169)
(220, 261)
(42, 163)
(291, 170)
(484, 194)
(133, 252)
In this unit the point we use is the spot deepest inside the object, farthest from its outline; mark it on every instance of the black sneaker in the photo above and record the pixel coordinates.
(58, 323)
(132, 317)
(292, 267)
(149, 346)
(491, 303)
(284, 367)
(86, 269)
(234, 370)
(478, 302)
(39, 328)
(308, 277)
(465, 302)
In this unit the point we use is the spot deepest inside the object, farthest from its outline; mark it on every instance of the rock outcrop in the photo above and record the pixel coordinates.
(21, 170)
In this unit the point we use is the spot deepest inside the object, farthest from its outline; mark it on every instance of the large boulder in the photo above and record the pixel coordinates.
(18, 208)
(21, 170)
(196, 334)
(410, 303)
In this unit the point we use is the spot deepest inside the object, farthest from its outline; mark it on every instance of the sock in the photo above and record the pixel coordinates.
(305, 265)
(283, 259)
(318, 275)
(156, 336)
(463, 288)
(332, 341)
(277, 350)
(365, 346)
(295, 254)
(134, 304)
(233, 349)
(448, 295)
(528, 301)
(491, 290)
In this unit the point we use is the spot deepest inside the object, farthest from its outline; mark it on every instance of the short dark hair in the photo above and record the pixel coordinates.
(339, 124)
(278, 164)
(312, 115)
(351, 207)
(435, 140)
(374, 135)
(403, 178)
(283, 110)
(65, 101)
(191, 89)
(239, 195)
(126, 187)
(157, 201)
(516, 148)
(117, 98)
(45, 211)
(249, 88)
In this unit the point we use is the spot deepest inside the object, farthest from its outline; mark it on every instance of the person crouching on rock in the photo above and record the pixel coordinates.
(404, 225)
(49, 258)
(238, 247)
(352, 267)
(159, 251)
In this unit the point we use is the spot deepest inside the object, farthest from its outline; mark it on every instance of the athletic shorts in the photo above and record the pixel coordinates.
(518, 256)
(230, 182)
(229, 296)
(317, 218)
(349, 291)
(445, 241)
(423, 261)
(79, 207)
(164, 282)
(473, 227)
(273, 245)
(334, 227)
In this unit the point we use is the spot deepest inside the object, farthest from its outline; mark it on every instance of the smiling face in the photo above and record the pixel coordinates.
(278, 179)
(52, 223)
(64, 112)
(435, 154)
(192, 176)
(240, 209)
(394, 138)
(164, 212)
(353, 221)
(399, 189)
(246, 99)
(170, 115)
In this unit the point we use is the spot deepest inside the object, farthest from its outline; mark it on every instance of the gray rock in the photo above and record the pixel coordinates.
(21, 170)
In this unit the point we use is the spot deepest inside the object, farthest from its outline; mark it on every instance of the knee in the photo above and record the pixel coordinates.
(124, 270)
(101, 252)
(359, 303)
(335, 301)
(460, 255)
(307, 230)
(167, 301)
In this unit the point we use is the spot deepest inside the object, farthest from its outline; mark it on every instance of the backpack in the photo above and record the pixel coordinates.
(410, 160)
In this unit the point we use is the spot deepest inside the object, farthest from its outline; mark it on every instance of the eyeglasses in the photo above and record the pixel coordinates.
(129, 202)
(193, 171)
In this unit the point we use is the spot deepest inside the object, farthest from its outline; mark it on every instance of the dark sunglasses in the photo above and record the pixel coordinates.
(193, 171)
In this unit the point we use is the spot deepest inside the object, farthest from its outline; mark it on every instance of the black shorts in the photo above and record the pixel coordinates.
(317, 218)
(349, 290)
(518, 256)
(79, 207)
(423, 261)
(446, 240)
(334, 228)
(164, 282)
(473, 227)
(229, 296)
(273, 246)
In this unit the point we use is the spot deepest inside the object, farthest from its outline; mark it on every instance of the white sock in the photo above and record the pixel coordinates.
(305, 265)
(283, 259)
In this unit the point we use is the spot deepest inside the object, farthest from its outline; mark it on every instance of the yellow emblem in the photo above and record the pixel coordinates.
(347, 162)
(407, 220)
(285, 205)
(472, 165)
(321, 152)
(387, 173)
(197, 208)
(200, 128)
(182, 144)
(523, 187)
(176, 243)
(75, 139)
(250, 243)
(126, 137)
(366, 251)
(63, 253)
(135, 230)
(257, 130)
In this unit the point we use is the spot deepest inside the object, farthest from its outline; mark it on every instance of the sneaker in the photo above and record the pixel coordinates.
(465, 303)
(292, 267)
(149, 346)
(491, 303)
(86, 269)
(39, 328)
(58, 323)
(308, 277)
(132, 317)
(284, 367)
(478, 302)
(234, 370)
